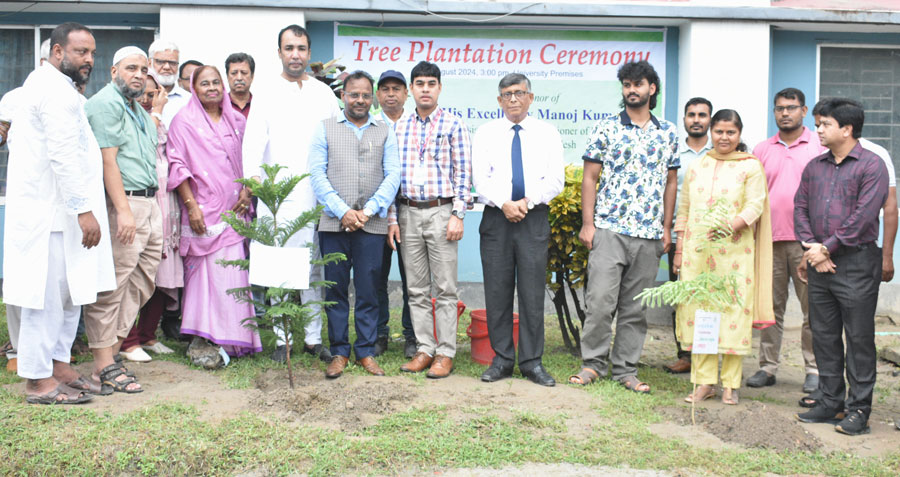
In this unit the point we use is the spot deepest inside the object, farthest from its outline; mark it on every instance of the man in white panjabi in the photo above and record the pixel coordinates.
(279, 131)
(57, 254)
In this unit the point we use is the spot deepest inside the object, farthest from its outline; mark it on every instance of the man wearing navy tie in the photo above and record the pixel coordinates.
(517, 166)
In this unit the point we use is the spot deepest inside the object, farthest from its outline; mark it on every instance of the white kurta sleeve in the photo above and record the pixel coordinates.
(256, 140)
(60, 115)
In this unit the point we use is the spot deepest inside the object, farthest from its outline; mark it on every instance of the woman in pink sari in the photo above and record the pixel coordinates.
(204, 160)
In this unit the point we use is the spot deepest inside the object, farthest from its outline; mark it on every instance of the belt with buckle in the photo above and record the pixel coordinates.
(425, 204)
(148, 192)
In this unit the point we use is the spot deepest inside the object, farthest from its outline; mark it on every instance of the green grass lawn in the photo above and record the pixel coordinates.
(170, 439)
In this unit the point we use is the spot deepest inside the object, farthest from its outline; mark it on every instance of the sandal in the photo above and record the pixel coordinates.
(633, 384)
(108, 377)
(90, 386)
(7, 347)
(730, 396)
(702, 393)
(72, 396)
(584, 377)
(809, 401)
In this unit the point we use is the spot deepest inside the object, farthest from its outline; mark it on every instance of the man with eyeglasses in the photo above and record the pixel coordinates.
(185, 71)
(164, 62)
(517, 169)
(355, 172)
(784, 156)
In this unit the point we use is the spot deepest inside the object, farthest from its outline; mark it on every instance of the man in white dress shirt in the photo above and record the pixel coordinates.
(57, 255)
(164, 61)
(517, 168)
(279, 131)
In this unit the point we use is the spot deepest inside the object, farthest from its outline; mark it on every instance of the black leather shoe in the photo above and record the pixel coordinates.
(496, 372)
(820, 414)
(381, 345)
(322, 352)
(410, 348)
(539, 375)
(854, 424)
(811, 383)
(760, 379)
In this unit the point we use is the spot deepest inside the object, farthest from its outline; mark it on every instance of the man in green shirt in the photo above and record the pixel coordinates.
(127, 138)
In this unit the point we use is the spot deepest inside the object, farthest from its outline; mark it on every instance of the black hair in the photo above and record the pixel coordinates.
(240, 58)
(60, 35)
(296, 30)
(845, 111)
(184, 65)
(357, 75)
(698, 100)
(732, 116)
(638, 70)
(791, 93)
(425, 69)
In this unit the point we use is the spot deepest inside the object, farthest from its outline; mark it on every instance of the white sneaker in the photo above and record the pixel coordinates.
(138, 355)
(158, 348)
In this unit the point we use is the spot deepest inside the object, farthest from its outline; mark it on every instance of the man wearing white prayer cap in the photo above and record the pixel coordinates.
(127, 138)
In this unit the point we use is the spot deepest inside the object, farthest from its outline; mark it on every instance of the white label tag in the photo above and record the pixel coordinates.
(284, 267)
(706, 332)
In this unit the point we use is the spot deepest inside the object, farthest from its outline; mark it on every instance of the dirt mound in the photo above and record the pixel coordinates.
(750, 424)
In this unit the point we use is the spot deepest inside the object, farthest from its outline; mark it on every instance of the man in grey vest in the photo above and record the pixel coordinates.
(355, 169)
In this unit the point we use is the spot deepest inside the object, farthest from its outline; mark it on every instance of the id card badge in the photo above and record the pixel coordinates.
(420, 175)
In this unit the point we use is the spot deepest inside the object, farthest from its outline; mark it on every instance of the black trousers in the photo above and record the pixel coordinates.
(673, 277)
(514, 258)
(845, 302)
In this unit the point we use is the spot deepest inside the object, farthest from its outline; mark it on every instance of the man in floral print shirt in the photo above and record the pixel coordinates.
(626, 224)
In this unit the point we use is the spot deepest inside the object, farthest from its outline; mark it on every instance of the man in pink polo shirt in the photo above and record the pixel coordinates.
(784, 156)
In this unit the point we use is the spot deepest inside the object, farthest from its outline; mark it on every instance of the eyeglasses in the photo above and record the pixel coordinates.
(509, 94)
(173, 64)
(365, 96)
(790, 109)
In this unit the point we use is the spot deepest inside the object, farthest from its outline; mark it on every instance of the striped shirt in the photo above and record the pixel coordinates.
(435, 159)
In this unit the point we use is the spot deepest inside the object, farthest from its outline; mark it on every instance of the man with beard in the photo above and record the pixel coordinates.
(697, 113)
(355, 171)
(127, 138)
(239, 69)
(56, 251)
(279, 131)
(164, 61)
(784, 156)
(627, 225)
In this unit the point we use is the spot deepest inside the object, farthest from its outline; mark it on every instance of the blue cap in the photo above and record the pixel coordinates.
(392, 74)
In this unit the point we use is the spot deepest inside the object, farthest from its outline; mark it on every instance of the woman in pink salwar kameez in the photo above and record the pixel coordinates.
(204, 160)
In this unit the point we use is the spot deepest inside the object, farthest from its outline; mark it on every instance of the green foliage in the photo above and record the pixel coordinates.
(283, 307)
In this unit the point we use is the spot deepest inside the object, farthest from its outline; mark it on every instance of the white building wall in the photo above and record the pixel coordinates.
(727, 63)
(210, 34)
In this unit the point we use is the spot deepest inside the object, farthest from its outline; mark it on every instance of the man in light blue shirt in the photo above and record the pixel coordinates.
(355, 172)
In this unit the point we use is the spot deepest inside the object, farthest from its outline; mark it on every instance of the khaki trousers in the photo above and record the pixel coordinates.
(786, 256)
(430, 262)
(113, 314)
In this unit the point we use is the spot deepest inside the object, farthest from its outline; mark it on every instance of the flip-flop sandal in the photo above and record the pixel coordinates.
(734, 400)
(88, 385)
(809, 401)
(108, 377)
(632, 383)
(584, 377)
(51, 397)
(704, 397)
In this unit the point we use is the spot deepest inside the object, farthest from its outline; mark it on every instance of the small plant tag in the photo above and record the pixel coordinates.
(706, 332)
(282, 267)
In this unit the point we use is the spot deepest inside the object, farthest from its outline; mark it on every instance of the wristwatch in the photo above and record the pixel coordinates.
(460, 214)
(529, 203)
(368, 212)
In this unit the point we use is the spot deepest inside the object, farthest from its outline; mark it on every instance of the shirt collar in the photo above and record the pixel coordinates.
(178, 91)
(855, 153)
(431, 117)
(369, 121)
(705, 147)
(523, 123)
(52, 68)
(626, 120)
(249, 100)
(804, 137)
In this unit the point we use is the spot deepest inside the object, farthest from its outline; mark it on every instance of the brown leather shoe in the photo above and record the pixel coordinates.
(12, 365)
(368, 363)
(418, 364)
(441, 367)
(336, 367)
(683, 365)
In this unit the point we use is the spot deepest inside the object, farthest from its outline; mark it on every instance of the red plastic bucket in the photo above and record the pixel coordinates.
(460, 308)
(478, 332)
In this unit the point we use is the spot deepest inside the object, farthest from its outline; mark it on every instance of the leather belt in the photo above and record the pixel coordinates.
(425, 204)
(847, 250)
(148, 192)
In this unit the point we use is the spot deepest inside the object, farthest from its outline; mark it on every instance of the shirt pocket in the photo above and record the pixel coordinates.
(847, 188)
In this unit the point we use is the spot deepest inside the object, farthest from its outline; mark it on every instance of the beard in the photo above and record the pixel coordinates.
(692, 133)
(638, 102)
(128, 92)
(791, 128)
(166, 80)
(79, 74)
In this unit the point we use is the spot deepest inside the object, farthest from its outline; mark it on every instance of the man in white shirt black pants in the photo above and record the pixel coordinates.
(517, 165)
